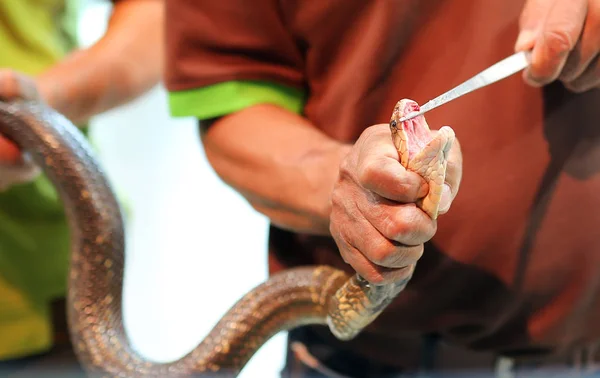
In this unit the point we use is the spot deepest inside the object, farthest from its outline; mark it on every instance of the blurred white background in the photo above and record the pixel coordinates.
(194, 245)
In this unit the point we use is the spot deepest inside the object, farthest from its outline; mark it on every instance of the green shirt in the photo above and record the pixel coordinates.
(230, 96)
(34, 237)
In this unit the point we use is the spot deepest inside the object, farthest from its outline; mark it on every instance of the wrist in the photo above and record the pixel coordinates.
(304, 204)
(336, 152)
(53, 90)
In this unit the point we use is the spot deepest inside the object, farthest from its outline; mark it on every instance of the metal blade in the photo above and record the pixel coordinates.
(494, 73)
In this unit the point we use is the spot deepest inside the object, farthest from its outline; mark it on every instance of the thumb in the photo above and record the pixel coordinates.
(453, 177)
(531, 22)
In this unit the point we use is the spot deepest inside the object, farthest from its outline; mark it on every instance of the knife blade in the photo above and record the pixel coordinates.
(498, 71)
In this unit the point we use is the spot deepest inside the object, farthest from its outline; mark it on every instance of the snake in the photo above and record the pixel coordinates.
(304, 295)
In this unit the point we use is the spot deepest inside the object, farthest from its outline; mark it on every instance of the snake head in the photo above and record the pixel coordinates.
(411, 136)
(422, 150)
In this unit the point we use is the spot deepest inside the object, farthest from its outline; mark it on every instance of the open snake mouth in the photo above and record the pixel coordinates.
(418, 134)
(415, 132)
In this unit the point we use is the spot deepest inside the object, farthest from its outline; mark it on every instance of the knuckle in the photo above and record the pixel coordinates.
(381, 252)
(345, 167)
(407, 225)
(559, 41)
(369, 172)
(374, 130)
(337, 199)
(396, 228)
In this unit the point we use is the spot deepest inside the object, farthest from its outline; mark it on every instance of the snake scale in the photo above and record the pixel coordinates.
(298, 296)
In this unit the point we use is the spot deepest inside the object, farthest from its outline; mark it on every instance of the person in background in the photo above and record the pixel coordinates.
(40, 60)
(294, 100)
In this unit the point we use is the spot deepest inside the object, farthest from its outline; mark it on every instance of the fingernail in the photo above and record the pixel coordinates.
(525, 41)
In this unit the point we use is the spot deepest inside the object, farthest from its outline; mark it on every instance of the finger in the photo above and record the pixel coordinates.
(377, 275)
(9, 85)
(354, 236)
(557, 38)
(530, 23)
(404, 223)
(9, 152)
(387, 178)
(590, 78)
(586, 48)
(379, 169)
(453, 177)
(380, 250)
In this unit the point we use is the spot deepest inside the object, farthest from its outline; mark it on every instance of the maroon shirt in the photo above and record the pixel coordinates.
(515, 264)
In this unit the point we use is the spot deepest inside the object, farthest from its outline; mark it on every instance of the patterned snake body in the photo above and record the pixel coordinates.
(299, 296)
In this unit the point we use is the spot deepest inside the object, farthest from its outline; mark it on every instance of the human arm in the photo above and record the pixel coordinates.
(283, 165)
(123, 64)
(564, 36)
(306, 182)
(244, 86)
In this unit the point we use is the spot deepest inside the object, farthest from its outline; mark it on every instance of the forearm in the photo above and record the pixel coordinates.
(123, 64)
(279, 162)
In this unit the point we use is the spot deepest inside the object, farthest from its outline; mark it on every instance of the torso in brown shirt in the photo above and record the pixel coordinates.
(515, 264)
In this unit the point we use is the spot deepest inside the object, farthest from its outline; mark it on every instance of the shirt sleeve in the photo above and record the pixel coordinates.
(225, 55)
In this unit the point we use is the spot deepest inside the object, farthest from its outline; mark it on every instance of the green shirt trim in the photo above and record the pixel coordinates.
(231, 96)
